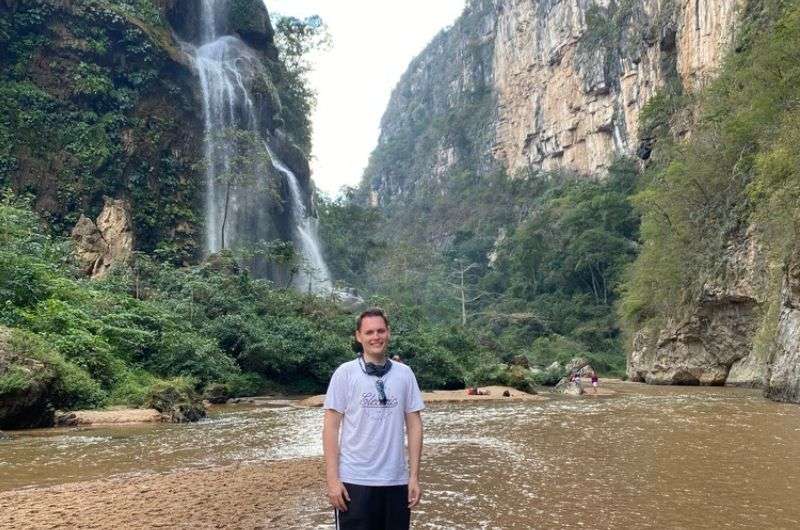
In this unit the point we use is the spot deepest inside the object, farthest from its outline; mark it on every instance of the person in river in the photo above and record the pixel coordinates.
(371, 400)
(595, 381)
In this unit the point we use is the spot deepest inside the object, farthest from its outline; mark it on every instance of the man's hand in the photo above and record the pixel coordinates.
(414, 493)
(337, 495)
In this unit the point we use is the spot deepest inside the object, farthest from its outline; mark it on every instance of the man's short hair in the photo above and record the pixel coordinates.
(372, 312)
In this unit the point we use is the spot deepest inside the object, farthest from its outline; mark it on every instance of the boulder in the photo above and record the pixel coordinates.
(748, 371)
(66, 419)
(177, 403)
(4, 436)
(99, 246)
(217, 394)
(572, 389)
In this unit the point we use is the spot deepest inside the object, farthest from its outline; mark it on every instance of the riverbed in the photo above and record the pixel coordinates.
(648, 457)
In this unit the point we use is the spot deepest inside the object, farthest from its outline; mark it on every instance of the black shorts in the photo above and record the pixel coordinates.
(375, 508)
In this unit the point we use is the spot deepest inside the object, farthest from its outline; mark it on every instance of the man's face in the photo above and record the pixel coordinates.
(373, 336)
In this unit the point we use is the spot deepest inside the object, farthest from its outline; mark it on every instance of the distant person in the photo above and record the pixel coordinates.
(595, 381)
(576, 378)
(397, 359)
(372, 400)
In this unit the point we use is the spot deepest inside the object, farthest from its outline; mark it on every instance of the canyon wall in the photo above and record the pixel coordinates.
(526, 85)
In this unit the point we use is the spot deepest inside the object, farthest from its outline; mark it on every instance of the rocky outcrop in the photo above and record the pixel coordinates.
(441, 113)
(246, 18)
(552, 83)
(783, 378)
(714, 344)
(99, 246)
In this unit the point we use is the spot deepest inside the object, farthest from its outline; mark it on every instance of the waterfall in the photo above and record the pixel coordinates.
(315, 276)
(238, 161)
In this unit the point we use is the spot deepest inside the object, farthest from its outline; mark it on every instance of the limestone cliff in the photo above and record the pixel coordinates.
(714, 344)
(782, 381)
(523, 84)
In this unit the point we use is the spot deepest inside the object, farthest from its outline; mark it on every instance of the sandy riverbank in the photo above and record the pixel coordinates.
(266, 496)
(115, 416)
(495, 393)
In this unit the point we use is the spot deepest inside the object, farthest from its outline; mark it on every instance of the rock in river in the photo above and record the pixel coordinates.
(177, 403)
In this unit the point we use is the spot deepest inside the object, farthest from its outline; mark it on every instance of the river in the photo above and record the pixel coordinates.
(648, 457)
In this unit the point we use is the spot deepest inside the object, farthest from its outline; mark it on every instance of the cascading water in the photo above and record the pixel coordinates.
(239, 188)
(315, 276)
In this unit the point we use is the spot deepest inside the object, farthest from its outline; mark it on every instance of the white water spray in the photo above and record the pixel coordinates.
(237, 182)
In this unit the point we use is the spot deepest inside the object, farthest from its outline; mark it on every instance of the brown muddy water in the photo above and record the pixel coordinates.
(650, 457)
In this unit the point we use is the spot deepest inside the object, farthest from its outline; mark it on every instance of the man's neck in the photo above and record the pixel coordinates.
(379, 359)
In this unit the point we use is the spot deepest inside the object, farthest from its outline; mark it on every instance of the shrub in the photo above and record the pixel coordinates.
(501, 374)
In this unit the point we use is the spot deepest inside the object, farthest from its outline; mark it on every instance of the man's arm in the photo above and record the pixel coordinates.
(337, 493)
(414, 429)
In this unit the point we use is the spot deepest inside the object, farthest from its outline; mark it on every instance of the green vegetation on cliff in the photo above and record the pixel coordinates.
(93, 103)
(736, 170)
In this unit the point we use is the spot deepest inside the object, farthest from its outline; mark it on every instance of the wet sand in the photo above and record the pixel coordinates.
(255, 496)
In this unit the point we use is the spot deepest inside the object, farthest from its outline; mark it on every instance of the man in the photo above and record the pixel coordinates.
(371, 400)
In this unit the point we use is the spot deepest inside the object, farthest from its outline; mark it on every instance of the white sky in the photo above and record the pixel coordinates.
(373, 43)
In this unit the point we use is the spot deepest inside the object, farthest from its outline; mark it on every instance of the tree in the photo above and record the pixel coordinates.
(296, 39)
(461, 288)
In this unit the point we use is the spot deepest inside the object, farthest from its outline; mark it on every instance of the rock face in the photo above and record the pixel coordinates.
(549, 84)
(714, 344)
(783, 378)
(110, 241)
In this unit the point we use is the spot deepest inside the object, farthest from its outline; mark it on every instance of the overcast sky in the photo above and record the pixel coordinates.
(373, 43)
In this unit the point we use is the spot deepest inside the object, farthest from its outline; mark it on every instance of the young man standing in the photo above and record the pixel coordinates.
(371, 399)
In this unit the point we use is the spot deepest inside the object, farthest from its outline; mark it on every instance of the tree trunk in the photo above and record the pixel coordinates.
(225, 214)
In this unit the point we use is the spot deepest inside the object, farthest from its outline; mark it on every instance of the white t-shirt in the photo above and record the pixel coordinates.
(372, 443)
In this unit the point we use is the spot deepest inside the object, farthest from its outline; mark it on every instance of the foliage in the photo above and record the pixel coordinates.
(87, 109)
(504, 375)
(114, 340)
(543, 256)
(296, 39)
(735, 169)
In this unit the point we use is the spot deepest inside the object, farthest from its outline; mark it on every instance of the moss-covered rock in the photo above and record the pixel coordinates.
(177, 401)
(25, 384)
(217, 393)
(35, 380)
